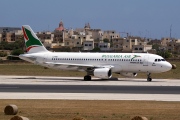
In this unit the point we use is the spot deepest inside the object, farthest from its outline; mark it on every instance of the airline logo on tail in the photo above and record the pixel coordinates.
(31, 40)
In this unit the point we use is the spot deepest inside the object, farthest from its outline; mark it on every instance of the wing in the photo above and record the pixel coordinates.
(80, 66)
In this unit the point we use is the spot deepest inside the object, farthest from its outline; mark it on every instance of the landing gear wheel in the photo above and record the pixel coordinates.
(149, 79)
(87, 78)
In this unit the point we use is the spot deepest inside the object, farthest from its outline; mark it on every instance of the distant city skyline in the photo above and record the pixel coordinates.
(151, 19)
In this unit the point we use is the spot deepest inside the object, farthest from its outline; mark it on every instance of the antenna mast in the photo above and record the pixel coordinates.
(170, 31)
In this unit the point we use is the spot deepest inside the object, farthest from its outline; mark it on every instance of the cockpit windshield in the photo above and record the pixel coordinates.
(158, 60)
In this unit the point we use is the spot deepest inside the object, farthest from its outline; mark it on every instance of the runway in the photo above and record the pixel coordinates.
(91, 89)
(39, 87)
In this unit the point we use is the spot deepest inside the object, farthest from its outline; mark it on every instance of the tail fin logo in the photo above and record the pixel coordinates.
(31, 40)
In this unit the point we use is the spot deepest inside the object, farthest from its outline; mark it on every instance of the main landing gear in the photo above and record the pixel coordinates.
(149, 79)
(87, 78)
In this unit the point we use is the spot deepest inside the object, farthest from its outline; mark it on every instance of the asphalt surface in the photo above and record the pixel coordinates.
(90, 89)
(74, 88)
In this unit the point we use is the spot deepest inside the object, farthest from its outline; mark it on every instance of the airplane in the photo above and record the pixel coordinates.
(100, 65)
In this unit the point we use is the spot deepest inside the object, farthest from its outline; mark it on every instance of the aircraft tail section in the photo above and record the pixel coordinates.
(32, 42)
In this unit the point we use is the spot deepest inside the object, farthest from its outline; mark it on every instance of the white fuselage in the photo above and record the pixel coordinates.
(120, 62)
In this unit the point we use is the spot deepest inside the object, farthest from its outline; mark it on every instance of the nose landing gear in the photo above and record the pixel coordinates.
(149, 79)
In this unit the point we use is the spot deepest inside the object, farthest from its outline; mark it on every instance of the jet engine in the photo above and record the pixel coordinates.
(126, 74)
(104, 73)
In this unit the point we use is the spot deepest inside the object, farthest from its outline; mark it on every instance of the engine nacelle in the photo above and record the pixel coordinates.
(104, 73)
(126, 74)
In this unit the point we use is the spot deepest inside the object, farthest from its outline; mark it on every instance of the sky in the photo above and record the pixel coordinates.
(144, 18)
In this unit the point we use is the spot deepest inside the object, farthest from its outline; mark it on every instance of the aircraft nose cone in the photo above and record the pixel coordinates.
(168, 66)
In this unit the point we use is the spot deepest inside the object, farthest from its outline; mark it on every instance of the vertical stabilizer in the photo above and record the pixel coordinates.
(32, 42)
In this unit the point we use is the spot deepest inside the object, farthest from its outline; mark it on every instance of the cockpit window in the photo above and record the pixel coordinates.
(158, 60)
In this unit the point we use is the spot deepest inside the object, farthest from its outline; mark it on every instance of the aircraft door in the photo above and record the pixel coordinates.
(145, 62)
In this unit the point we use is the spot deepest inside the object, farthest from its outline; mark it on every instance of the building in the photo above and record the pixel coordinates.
(61, 27)
(173, 46)
(87, 26)
(8, 37)
(110, 35)
(0, 37)
(97, 34)
(8, 33)
(46, 38)
(164, 41)
(77, 41)
(141, 48)
(104, 46)
(117, 44)
(60, 34)
(19, 35)
(130, 44)
(88, 45)
(177, 49)
(8, 29)
(156, 42)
